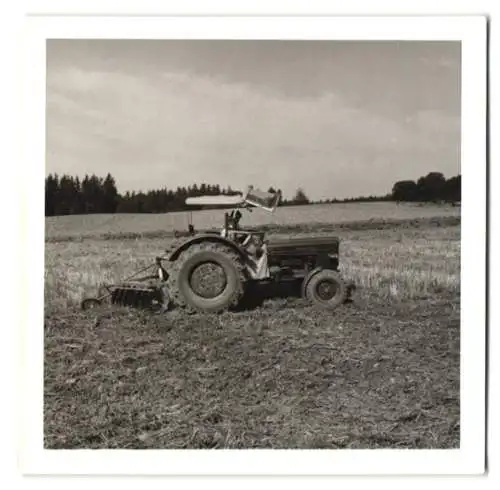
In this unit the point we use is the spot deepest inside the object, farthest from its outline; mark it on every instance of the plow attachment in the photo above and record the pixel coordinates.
(135, 294)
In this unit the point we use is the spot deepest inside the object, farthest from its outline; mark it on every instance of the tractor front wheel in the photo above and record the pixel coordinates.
(326, 289)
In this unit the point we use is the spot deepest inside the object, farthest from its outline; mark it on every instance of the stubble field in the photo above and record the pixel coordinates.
(382, 371)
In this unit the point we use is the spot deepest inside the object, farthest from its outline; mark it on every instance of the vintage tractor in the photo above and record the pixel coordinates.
(212, 271)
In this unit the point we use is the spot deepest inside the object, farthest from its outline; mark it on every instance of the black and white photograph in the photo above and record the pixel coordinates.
(257, 244)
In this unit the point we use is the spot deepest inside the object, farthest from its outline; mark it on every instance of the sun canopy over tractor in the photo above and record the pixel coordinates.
(253, 197)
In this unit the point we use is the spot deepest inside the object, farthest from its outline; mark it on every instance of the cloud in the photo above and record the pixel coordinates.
(171, 128)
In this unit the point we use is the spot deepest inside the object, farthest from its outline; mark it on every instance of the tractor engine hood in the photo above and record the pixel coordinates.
(304, 246)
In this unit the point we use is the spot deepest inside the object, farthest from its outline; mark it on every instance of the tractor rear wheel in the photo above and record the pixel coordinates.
(208, 277)
(326, 289)
(90, 303)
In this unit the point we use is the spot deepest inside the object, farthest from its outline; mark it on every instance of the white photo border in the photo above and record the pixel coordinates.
(470, 458)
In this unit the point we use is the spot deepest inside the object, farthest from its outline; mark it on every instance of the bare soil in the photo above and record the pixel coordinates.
(375, 373)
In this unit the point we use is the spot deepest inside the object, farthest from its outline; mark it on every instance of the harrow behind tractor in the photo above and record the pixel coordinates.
(213, 271)
(143, 292)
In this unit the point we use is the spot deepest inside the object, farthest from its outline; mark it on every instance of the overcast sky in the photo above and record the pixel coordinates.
(339, 119)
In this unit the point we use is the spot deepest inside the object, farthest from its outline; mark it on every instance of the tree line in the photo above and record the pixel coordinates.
(433, 187)
(65, 195)
(95, 195)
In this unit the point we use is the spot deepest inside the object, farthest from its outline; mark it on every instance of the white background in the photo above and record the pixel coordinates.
(469, 459)
(11, 109)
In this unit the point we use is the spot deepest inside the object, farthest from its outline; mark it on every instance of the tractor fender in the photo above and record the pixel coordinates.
(307, 278)
(206, 237)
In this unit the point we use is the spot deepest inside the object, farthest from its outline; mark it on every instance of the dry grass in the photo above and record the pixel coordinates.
(381, 372)
(410, 264)
(157, 225)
